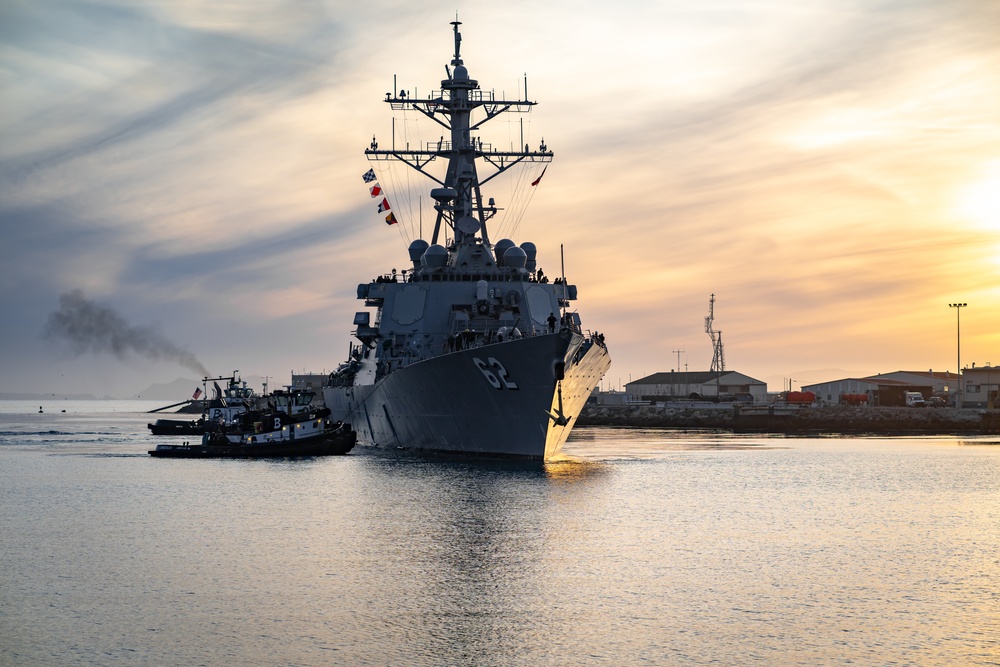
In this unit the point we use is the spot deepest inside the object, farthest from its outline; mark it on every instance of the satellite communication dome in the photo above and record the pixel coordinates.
(417, 250)
(515, 258)
(435, 257)
(500, 248)
(529, 249)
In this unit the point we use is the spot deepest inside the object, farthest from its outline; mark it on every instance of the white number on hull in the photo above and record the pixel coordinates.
(497, 375)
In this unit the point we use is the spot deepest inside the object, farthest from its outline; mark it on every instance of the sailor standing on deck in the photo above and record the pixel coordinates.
(552, 323)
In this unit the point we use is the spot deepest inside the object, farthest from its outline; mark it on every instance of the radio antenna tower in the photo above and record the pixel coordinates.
(718, 357)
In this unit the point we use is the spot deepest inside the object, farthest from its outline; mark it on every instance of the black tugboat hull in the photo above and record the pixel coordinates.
(178, 427)
(332, 444)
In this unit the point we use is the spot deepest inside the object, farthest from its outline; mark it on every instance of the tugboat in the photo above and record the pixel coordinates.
(289, 426)
(225, 405)
(471, 350)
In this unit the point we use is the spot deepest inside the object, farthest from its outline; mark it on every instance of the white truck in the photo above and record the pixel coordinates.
(914, 399)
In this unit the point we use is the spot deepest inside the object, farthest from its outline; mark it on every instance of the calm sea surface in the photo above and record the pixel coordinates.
(645, 547)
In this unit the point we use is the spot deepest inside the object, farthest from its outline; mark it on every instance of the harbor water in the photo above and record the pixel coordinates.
(642, 547)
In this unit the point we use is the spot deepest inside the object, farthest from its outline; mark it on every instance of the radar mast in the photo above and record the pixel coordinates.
(458, 199)
(718, 357)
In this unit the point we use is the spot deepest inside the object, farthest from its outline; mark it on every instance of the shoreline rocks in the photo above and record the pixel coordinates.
(791, 419)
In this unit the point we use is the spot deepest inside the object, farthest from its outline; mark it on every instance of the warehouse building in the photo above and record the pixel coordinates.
(725, 386)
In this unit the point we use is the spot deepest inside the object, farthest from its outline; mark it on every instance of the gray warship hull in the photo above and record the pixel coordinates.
(503, 399)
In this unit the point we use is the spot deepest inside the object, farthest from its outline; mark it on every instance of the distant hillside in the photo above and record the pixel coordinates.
(182, 388)
(178, 390)
(13, 396)
(171, 392)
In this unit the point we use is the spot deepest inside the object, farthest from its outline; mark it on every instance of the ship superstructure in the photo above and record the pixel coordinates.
(472, 348)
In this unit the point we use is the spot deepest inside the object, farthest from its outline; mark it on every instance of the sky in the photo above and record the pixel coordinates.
(188, 173)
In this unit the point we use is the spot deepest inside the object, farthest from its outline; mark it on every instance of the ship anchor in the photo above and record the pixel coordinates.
(560, 418)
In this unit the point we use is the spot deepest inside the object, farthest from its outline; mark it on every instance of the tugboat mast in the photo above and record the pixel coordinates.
(459, 202)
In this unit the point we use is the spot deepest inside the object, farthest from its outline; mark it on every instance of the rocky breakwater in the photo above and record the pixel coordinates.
(715, 416)
(852, 419)
(792, 419)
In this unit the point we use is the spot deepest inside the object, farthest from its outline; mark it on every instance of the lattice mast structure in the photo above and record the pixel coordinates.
(459, 199)
(718, 356)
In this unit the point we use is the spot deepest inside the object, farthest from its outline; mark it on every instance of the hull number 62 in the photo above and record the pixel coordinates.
(495, 373)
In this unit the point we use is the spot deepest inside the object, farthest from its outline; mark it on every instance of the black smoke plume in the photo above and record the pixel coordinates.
(89, 327)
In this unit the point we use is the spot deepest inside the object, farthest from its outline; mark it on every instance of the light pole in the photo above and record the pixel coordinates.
(958, 312)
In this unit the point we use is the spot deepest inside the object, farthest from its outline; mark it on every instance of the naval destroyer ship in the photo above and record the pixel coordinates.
(472, 349)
